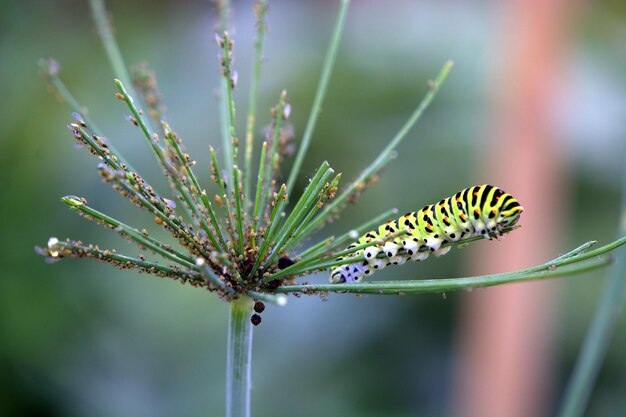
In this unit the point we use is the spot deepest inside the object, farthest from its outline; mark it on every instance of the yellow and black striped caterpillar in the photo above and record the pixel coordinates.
(481, 210)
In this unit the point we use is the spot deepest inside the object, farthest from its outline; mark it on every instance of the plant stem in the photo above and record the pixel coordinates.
(598, 338)
(103, 26)
(384, 156)
(260, 9)
(428, 286)
(223, 7)
(322, 87)
(330, 243)
(238, 358)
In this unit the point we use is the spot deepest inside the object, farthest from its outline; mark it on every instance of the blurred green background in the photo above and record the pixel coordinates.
(80, 338)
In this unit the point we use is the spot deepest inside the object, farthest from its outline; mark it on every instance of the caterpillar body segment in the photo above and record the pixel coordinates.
(481, 210)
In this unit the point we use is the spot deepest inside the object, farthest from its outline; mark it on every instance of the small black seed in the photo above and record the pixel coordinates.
(284, 262)
(259, 306)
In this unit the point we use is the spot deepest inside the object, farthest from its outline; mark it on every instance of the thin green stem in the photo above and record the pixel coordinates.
(231, 82)
(326, 194)
(278, 299)
(222, 184)
(555, 267)
(111, 47)
(238, 208)
(143, 125)
(75, 249)
(211, 277)
(127, 231)
(223, 7)
(173, 175)
(428, 286)
(268, 236)
(330, 260)
(279, 116)
(267, 171)
(600, 332)
(307, 201)
(176, 227)
(322, 87)
(384, 157)
(256, 215)
(50, 71)
(200, 194)
(239, 358)
(260, 9)
(331, 243)
(324, 262)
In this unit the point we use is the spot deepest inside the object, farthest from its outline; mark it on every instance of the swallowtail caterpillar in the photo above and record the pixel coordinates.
(481, 210)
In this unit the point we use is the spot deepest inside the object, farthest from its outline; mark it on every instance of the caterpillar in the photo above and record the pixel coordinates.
(481, 210)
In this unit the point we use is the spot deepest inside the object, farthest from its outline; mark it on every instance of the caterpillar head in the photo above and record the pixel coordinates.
(510, 214)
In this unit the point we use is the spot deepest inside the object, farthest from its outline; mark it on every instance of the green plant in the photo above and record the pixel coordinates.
(233, 245)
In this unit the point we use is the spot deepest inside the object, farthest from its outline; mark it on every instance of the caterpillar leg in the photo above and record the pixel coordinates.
(410, 246)
(390, 249)
(371, 251)
(442, 251)
(419, 256)
(433, 243)
(397, 260)
(349, 273)
(377, 264)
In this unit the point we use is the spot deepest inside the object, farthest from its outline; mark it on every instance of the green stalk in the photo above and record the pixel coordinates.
(553, 268)
(270, 230)
(304, 204)
(598, 338)
(223, 7)
(110, 45)
(330, 261)
(256, 215)
(50, 71)
(230, 76)
(123, 229)
(222, 184)
(268, 167)
(428, 286)
(211, 277)
(328, 190)
(77, 250)
(196, 189)
(236, 184)
(331, 243)
(322, 87)
(176, 227)
(143, 125)
(260, 9)
(384, 156)
(238, 358)
(278, 299)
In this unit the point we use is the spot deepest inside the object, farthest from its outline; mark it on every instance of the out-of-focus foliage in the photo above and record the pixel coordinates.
(78, 338)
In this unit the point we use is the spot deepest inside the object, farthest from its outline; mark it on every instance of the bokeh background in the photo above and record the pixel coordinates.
(536, 103)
